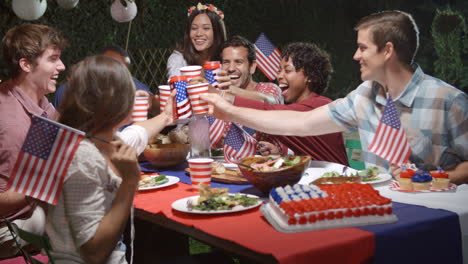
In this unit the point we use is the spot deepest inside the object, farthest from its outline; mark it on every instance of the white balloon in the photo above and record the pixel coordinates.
(29, 9)
(67, 4)
(121, 14)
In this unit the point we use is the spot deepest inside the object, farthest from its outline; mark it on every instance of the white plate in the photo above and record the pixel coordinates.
(181, 205)
(382, 178)
(318, 168)
(395, 186)
(172, 180)
(230, 165)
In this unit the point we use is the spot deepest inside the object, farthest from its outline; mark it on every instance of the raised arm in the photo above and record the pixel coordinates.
(311, 123)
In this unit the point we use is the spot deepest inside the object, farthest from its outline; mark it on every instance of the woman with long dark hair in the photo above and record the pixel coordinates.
(204, 34)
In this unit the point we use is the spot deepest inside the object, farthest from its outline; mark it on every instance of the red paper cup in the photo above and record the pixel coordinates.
(140, 109)
(200, 171)
(191, 71)
(164, 94)
(199, 107)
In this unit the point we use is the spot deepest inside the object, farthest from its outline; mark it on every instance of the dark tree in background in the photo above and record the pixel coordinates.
(160, 24)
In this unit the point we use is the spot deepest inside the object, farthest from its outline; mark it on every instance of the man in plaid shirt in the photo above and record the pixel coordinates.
(433, 113)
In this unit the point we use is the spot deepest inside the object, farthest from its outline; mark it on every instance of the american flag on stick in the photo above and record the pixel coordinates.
(184, 109)
(268, 56)
(390, 140)
(216, 129)
(44, 159)
(238, 144)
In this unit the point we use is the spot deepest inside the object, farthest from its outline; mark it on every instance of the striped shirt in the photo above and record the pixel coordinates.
(433, 114)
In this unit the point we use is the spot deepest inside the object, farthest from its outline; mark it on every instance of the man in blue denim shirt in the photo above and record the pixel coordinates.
(433, 113)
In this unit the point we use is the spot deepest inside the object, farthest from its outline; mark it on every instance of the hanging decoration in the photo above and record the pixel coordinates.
(122, 13)
(29, 9)
(67, 4)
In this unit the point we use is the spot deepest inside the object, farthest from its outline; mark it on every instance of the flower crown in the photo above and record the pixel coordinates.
(210, 7)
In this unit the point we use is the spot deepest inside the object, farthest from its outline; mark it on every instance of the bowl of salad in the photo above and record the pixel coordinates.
(166, 155)
(273, 171)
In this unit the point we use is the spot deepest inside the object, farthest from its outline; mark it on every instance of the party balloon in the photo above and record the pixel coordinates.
(121, 13)
(29, 9)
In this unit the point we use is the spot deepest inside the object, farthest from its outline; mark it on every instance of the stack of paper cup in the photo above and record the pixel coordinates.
(191, 71)
(211, 69)
(164, 94)
(140, 109)
(200, 171)
(199, 107)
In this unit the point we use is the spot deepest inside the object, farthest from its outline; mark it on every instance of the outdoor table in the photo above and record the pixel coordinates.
(421, 235)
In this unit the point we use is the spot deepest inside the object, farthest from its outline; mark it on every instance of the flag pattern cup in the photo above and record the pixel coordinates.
(211, 69)
(199, 107)
(140, 109)
(164, 94)
(182, 107)
(191, 71)
(200, 171)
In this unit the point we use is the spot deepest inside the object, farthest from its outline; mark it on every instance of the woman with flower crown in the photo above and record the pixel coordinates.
(204, 34)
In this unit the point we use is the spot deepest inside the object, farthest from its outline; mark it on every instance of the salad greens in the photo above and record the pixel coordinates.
(161, 179)
(271, 163)
(367, 175)
(227, 202)
(217, 152)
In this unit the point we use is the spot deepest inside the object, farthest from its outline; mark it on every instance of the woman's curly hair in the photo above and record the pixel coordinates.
(313, 61)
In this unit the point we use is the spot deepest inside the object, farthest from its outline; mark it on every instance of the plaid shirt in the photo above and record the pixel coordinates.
(433, 114)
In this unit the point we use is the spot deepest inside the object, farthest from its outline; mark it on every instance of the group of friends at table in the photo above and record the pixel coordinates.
(95, 204)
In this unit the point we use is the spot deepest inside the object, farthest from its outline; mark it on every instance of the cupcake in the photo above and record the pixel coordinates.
(440, 179)
(405, 179)
(421, 181)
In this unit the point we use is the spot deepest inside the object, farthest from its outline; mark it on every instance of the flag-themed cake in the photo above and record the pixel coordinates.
(309, 207)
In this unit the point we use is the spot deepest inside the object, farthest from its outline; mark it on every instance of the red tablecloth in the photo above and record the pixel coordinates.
(251, 230)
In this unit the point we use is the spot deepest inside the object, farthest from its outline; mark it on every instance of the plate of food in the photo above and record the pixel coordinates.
(395, 186)
(348, 175)
(381, 177)
(220, 172)
(216, 201)
(156, 181)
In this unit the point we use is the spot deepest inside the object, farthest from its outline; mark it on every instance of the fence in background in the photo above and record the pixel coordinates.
(149, 66)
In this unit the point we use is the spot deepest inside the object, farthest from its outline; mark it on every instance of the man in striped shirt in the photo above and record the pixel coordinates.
(433, 113)
(32, 53)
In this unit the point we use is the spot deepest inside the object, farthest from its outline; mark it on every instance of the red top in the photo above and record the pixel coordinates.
(329, 147)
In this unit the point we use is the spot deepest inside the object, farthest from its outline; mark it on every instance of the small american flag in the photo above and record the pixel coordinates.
(268, 56)
(238, 144)
(390, 140)
(44, 158)
(184, 110)
(216, 129)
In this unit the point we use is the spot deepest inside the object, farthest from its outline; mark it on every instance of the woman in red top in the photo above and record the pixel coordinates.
(305, 72)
